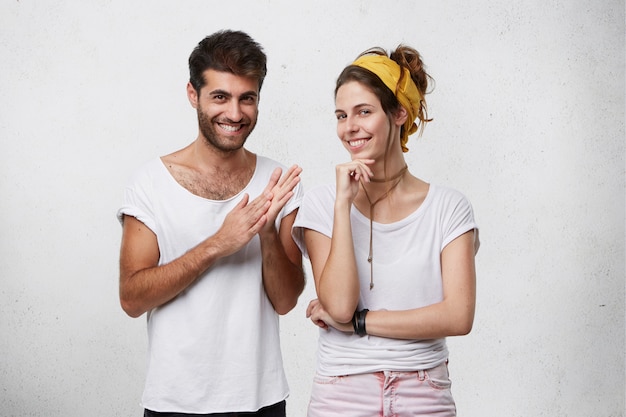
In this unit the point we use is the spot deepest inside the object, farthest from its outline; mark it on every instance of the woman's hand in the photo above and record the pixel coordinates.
(318, 315)
(348, 176)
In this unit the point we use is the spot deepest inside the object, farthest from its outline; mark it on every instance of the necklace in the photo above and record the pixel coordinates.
(370, 257)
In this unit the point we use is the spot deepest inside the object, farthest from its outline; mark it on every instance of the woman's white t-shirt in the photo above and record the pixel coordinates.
(407, 275)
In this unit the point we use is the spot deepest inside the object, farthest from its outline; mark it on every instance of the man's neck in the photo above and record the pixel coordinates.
(210, 174)
(206, 158)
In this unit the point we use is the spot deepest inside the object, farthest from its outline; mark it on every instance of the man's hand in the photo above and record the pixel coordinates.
(280, 189)
(243, 222)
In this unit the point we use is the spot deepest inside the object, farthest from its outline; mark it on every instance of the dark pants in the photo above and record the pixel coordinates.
(276, 410)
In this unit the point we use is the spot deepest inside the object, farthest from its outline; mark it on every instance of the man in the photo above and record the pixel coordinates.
(207, 251)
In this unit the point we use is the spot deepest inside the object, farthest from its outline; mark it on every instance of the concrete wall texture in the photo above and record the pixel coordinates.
(528, 122)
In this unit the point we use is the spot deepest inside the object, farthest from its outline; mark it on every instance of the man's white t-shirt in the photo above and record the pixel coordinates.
(215, 347)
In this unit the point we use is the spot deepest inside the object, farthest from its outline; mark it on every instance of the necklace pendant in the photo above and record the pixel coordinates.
(371, 286)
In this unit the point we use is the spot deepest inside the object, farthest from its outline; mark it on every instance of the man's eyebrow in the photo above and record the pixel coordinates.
(250, 93)
(220, 92)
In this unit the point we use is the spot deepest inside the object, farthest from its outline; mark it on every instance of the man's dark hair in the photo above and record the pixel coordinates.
(228, 51)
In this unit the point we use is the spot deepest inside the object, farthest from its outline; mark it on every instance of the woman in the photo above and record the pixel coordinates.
(392, 256)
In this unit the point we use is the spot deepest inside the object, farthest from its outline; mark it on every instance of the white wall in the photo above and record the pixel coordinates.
(529, 124)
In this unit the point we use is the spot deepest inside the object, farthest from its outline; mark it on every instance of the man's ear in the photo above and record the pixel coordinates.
(401, 116)
(192, 95)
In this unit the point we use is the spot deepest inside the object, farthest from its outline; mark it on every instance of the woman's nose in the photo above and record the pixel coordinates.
(350, 125)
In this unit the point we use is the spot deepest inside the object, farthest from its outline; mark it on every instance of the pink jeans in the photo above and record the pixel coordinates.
(384, 394)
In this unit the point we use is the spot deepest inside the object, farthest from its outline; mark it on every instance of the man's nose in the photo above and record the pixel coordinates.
(233, 112)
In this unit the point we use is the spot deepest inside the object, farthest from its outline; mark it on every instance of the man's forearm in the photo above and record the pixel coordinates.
(151, 287)
(283, 278)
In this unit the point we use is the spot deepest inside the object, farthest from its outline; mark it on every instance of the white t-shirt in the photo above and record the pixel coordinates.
(215, 347)
(407, 275)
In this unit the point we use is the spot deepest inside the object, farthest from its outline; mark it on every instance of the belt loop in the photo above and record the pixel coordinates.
(421, 375)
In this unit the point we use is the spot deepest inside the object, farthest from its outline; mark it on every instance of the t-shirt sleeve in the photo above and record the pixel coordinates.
(137, 202)
(458, 217)
(295, 201)
(315, 213)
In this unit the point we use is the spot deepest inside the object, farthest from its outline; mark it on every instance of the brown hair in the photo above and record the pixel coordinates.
(229, 51)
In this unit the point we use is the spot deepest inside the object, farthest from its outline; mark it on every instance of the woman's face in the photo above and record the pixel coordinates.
(362, 124)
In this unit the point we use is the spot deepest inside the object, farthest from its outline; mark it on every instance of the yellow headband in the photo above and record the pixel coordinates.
(407, 93)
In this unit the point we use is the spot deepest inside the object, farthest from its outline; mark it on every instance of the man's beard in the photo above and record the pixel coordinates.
(214, 139)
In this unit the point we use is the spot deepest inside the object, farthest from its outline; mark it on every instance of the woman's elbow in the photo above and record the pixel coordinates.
(463, 326)
(464, 329)
(341, 314)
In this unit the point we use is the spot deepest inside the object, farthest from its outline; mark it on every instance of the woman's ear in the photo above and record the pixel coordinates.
(401, 116)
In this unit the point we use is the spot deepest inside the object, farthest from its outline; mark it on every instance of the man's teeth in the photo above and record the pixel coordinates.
(230, 128)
